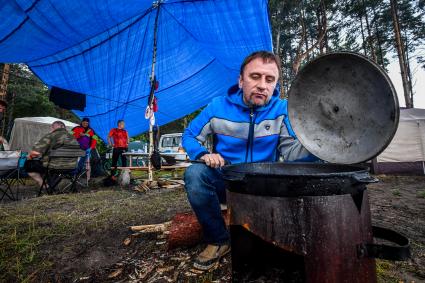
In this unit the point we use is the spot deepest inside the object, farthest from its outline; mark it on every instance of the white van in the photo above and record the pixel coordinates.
(171, 143)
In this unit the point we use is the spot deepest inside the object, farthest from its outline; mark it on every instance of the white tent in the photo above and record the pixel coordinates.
(407, 149)
(27, 131)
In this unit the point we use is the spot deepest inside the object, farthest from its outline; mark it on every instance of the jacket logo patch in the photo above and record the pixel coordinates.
(267, 127)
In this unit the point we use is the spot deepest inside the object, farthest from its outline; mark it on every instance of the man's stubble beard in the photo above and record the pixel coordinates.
(252, 104)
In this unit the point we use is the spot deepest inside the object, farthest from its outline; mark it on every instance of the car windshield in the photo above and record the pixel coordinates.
(171, 141)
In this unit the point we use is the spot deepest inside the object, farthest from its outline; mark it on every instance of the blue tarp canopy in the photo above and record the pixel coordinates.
(104, 50)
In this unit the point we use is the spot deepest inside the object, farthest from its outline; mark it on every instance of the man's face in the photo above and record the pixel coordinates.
(85, 124)
(258, 82)
(121, 125)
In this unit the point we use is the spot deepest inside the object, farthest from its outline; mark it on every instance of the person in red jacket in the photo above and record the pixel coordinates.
(87, 139)
(119, 139)
(85, 135)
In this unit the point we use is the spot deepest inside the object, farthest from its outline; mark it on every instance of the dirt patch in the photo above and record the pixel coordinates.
(398, 203)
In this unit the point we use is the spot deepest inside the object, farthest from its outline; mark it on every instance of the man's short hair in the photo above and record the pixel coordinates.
(120, 121)
(267, 56)
(58, 124)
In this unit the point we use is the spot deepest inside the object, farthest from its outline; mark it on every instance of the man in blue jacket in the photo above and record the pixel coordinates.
(250, 125)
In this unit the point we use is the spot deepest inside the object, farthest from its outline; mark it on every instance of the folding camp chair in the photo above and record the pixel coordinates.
(53, 176)
(9, 173)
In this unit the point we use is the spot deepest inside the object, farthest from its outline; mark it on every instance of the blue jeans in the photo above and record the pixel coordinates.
(205, 190)
(82, 163)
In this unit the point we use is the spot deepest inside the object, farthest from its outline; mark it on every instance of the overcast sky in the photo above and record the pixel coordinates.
(418, 82)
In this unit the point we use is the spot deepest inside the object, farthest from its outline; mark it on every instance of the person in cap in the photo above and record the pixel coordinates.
(37, 159)
(248, 125)
(87, 139)
(118, 138)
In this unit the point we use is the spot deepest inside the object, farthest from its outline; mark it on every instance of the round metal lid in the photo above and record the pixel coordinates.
(343, 108)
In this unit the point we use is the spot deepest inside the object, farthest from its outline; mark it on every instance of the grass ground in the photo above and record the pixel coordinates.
(36, 233)
(79, 237)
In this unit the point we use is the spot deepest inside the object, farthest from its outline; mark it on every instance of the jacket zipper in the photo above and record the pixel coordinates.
(250, 142)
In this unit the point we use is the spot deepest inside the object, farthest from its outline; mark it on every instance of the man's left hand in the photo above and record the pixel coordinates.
(34, 154)
(213, 160)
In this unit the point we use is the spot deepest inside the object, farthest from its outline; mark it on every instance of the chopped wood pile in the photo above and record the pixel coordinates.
(146, 185)
(183, 230)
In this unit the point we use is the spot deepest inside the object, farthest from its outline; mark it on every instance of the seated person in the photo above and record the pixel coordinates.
(56, 139)
(249, 125)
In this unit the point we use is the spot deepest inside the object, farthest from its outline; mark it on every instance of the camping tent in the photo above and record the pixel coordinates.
(406, 152)
(104, 49)
(27, 131)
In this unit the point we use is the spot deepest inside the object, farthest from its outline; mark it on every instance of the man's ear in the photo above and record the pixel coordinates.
(240, 81)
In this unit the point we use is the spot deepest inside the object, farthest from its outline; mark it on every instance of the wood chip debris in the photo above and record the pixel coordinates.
(116, 273)
(127, 241)
(162, 270)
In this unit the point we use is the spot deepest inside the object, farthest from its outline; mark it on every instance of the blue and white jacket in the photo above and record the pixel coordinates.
(244, 134)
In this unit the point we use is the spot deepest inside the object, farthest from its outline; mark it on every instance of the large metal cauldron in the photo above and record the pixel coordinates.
(312, 222)
(316, 214)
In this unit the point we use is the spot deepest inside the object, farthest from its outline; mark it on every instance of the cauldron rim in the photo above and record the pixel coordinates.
(352, 180)
(348, 170)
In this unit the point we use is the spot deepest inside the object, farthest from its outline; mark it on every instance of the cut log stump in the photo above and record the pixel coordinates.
(183, 230)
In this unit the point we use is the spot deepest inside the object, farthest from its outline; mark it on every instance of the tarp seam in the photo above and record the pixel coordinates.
(194, 38)
(94, 46)
(21, 24)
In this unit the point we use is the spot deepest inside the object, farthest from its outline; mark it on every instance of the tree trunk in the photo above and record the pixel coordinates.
(323, 27)
(10, 110)
(277, 52)
(300, 56)
(363, 37)
(4, 80)
(378, 38)
(369, 34)
(285, 75)
(3, 91)
(277, 47)
(409, 72)
(307, 47)
(401, 55)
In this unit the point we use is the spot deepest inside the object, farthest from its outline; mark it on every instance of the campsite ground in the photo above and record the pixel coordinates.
(79, 237)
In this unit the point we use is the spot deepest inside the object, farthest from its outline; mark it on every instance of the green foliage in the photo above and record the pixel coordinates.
(364, 26)
(27, 96)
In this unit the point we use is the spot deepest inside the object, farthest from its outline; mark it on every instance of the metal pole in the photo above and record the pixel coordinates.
(151, 147)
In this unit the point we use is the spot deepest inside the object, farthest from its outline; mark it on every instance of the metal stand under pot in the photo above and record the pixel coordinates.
(311, 222)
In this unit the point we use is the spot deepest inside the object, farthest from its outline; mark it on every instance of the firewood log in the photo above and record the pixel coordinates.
(183, 230)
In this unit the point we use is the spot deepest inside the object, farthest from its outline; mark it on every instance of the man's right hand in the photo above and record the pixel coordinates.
(213, 160)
